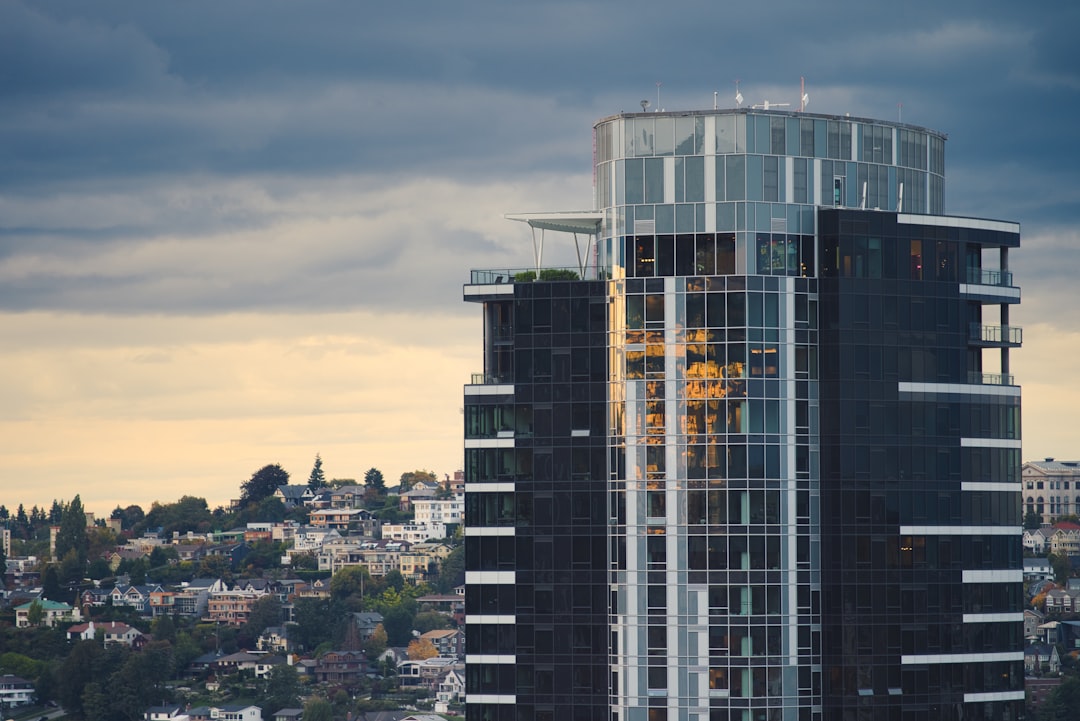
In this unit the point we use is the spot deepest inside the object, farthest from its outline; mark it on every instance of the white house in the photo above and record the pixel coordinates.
(15, 691)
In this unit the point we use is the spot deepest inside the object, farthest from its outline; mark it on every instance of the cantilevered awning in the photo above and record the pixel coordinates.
(581, 222)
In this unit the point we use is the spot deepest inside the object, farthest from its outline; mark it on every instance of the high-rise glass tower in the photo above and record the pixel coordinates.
(757, 456)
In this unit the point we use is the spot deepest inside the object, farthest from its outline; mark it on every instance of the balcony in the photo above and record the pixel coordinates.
(995, 336)
(995, 286)
(981, 276)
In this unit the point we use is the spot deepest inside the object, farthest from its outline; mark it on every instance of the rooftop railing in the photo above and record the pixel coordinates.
(488, 379)
(521, 275)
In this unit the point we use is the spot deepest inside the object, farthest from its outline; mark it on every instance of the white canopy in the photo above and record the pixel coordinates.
(583, 222)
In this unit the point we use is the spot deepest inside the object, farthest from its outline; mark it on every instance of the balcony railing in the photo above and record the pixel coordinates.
(980, 276)
(502, 332)
(991, 379)
(997, 335)
(488, 379)
(521, 275)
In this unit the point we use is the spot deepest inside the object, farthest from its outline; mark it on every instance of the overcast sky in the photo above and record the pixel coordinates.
(235, 233)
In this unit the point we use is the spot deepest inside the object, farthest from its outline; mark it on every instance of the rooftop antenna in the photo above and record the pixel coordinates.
(714, 95)
(738, 95)
(899, 112)
(645, 105)
(658, 84)
(804, 99)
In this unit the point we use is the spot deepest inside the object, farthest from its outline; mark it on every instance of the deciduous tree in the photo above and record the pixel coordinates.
(263, 483)
(411, 478)
(420, 649)
(318, 709)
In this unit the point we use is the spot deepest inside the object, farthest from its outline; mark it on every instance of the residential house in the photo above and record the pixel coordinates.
(339, 518)
(230, 712)
(284, 532)
(451, 689)
(446, 511)
(310, 538)
(1065, 540)
(93, 598)
(1041, 658)
(413, 532)
(1036, 691)
(262, 586)
(113, 632)
(231, 607)
(427, 673)
(423, 560)
(190, 551)
(351, 496)
(1037, 569)
(289, 714)
(1033, 618)
(256, 535)
(448, 604)
(125, 553)
(319, 588)
(366, 622)
(383, 556)
(275, 638)
(1058, 600)
(135, 597)
(259, 664)
(162, 713)
(1035, 539)
(293, 496)
(419, 491)
(234, 552)
(162, 603)
(15, 691)
(192, 599)
(53, 612)
(344, 667)
(449, 642)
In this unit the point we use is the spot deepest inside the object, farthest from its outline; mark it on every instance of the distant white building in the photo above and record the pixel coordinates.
(429, 511)
(413, 532)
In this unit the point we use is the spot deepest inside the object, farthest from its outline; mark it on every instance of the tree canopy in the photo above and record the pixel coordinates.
(263, 483)
(373, 477)
(411, 478)
(72, 533)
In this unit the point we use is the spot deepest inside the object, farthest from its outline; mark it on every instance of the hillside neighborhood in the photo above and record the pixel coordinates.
(325, 600)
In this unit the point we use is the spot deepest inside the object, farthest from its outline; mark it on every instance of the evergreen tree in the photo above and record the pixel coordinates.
(4, 515)
(374, 479)
(56, 512)
(316, 480)
(72, 533)
(50, 584)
